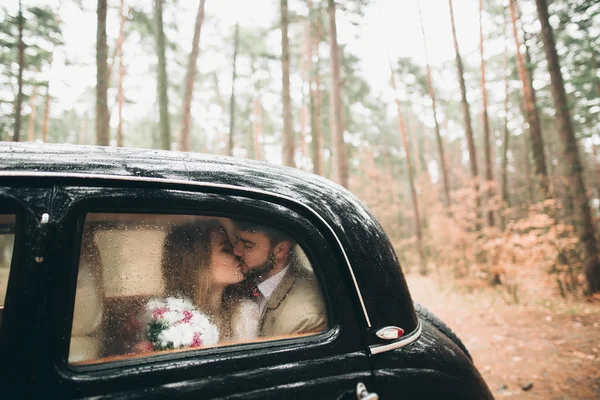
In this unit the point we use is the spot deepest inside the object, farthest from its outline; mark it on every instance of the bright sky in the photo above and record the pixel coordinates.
(390, 28)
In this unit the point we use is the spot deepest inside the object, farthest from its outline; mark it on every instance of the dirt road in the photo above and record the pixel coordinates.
(549, 350)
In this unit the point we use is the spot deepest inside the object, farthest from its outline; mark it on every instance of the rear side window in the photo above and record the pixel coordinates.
(154, 283)
(7, 242)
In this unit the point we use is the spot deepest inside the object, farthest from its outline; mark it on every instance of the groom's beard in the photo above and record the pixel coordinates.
(260, 272)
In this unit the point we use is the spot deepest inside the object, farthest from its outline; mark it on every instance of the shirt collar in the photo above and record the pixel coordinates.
(268, 286)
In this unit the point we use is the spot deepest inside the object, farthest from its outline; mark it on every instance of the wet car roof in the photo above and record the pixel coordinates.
(371, 254)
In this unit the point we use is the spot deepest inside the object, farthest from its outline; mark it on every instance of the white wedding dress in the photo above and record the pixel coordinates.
(245, 320)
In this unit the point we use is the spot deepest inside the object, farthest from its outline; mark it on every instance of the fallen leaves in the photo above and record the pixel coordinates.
(546, 350)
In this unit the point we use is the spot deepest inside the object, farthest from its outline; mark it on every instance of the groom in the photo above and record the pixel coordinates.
(289, 297)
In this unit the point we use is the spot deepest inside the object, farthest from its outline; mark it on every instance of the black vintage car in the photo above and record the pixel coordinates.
(83, 233)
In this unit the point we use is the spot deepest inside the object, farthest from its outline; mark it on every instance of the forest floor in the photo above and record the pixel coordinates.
(542, 350)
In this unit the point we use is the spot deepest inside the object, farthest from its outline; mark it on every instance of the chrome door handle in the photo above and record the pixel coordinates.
(363, 394)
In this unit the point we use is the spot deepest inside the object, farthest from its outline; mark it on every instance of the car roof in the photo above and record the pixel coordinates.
(151, 163)
(371, 254)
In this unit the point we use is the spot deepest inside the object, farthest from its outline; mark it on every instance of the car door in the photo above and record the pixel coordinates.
(330, 363)
(23, 280)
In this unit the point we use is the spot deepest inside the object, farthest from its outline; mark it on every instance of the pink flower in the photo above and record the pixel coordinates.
(197, 342)
(187, 316)
(158, 312)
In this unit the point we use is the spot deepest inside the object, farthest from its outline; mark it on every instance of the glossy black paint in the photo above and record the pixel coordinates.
(428, 367)
(28, 283)
(324, 366)
(375, 263)
(250, 366)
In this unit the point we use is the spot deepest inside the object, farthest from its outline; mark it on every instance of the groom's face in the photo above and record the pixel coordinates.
(256, 253)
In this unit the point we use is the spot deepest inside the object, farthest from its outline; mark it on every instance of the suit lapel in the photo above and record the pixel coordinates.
(282, 289)
(279, 294)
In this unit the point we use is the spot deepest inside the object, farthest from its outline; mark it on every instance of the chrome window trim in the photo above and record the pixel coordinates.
(108, 177)
(382, 348)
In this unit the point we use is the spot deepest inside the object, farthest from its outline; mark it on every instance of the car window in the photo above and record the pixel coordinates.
(150, 284)
(7, 241)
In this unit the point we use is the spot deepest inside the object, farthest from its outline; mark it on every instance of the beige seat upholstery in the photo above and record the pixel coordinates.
(86, 333)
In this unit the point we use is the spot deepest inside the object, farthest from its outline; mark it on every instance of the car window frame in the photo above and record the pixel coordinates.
(98, 203)
(26, 287)
(12, 207)
(258, 344)
(13, 232)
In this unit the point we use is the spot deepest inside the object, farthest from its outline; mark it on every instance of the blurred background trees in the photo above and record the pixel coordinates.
(292, 85)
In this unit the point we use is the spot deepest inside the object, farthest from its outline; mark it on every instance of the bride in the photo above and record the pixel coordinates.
(198, 264)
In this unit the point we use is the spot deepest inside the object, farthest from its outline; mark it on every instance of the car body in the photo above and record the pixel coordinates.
(49, 187)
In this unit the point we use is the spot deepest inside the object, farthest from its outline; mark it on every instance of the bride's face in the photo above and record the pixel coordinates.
(225, 267)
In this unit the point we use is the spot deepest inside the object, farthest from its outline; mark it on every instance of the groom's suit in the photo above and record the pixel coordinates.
(296, 305)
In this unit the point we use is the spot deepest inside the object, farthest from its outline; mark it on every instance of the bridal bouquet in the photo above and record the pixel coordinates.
(175, 323)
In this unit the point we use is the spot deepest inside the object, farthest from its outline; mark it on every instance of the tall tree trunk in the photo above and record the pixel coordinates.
(257, 127)
(121, 72)
(184, 136)
(305, 70)
(583, 221)
(414, 142)
(303, 121)
(505, 141)
(21, 60)
(438, 136)
(466, 112)
(120, 104)
(596, 68)
(305, 65)
(236, 44)
(409, 167)
(486, 122)
(114, 57)
(537, 144)
(217, 89)
(82, 129)
(257, 114)
(31, 123)
(162, 79)
(319, 145)
(288, 133)
(337, 124)
(102, 137)
(224, 139)
(46, 118)
(315, 90)
(528, 173)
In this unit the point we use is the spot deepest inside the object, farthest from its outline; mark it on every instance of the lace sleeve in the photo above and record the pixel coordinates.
(245, 321)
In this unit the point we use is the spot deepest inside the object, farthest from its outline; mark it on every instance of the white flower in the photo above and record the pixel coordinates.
(185, 325)
(153, 304)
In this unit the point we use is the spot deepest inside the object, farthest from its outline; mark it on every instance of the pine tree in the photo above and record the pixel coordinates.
(466, 112)
(186, 120)
(162, 79)
(337, 124)
(102, 134)
(531, 111)
(438, 136)
(288, 133)
(584, 222)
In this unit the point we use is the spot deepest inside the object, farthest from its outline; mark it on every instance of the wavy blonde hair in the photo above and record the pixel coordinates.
(186, 263)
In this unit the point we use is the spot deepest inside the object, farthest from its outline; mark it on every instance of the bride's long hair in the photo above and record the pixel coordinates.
(186, 265)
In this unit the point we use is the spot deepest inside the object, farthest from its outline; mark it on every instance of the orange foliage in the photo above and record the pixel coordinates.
(533, 255)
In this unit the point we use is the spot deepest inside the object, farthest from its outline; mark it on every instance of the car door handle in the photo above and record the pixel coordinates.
(363, 394)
